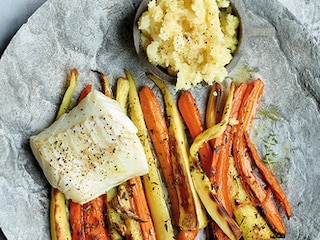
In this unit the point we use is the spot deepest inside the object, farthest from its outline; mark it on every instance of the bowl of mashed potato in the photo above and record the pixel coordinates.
(189, 42)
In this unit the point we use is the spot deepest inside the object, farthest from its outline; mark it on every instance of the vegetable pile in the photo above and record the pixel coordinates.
(214, 178)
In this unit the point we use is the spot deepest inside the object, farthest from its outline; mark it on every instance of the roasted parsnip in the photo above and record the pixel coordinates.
(202, 183)
(251, 222)
(59, 221)
(134, 230)
(117, 226)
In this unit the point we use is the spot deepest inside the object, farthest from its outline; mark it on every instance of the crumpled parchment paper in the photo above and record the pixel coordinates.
(98, 35)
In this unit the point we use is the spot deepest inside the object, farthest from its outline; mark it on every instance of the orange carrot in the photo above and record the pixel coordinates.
(158, 131)
(220, 161)
(220, 178)
(255, 189)
(218, 233)
(221, 155)
(76, 221)
(88, 221)
(250, 104)
(94, 219)
(75, 209)
(188, 234)
(269, 176)
(85, 92)
(142, 210)
(191, 115)
(237, 100)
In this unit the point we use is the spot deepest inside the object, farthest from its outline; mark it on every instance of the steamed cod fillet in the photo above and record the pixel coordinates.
(91, 149)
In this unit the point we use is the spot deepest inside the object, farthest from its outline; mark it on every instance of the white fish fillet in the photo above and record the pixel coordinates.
(91, 149)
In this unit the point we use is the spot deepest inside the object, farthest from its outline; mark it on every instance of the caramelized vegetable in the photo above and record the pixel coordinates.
(159, 134)
(201, 179)
(143, 228)
(250, 221)
(268, 176)
(191, 115)
(85, 92)
(192, 215)
(59, 222)
(213, 104)
(117, 227)
(202, 183)
(124, 204)
(222, 153)
(152, 184)
(94, 219)
(255, 189)
(188, 234)
(105, 84)
(76, 221)
(66, 101)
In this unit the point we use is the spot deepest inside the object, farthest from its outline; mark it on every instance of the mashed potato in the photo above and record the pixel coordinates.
(188, 39)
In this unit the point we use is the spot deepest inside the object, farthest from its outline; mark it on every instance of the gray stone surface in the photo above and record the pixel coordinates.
(97, 35)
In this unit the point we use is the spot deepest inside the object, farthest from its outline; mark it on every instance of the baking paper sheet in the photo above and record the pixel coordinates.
(84, 34)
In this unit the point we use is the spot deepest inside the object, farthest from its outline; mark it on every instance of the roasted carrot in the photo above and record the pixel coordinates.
(220, 161)
(220, 178)
(159, 134)
(152, 184)
(76, 221)
(218, 233)
(191, 115)
(59, 222)
(94, 219)
(75, 209)
(268, 176)
(221, 154)
(237, 100)
(204, 187)
(250, 104)
(188, 234)
(255, 189)
(252, 184)
(142, 210)
(192, 215)
(85, 92)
